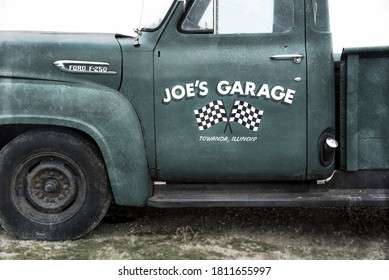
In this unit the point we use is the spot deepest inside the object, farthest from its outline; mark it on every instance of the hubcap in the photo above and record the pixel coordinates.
(51, 187)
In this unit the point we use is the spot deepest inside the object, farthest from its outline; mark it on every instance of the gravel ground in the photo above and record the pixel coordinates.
(221, 233)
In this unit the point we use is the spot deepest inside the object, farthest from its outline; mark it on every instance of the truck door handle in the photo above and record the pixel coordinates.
(296, 57)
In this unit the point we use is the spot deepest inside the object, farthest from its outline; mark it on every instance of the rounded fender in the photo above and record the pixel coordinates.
(102, 113)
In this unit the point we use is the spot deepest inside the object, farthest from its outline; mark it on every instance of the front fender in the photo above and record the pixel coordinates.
(102, 113)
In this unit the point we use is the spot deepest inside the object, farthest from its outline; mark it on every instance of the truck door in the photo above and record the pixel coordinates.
(230, 92)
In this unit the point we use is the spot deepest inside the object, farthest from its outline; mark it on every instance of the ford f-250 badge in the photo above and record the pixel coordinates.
(84, 67)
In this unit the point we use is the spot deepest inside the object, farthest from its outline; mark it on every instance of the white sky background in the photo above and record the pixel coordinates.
(353, 22)
(359, 23)
(106, 16)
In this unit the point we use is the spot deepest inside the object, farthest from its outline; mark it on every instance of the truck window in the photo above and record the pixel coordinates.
(236, 16)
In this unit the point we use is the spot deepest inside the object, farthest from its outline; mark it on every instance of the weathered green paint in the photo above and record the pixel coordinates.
(279, 152)
(366, 88)
(352, 110)
(320, 88)
(137, 86)
(31, 55)
(102, 113)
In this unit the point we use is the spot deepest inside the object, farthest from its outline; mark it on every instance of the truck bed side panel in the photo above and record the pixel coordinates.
(365, 114)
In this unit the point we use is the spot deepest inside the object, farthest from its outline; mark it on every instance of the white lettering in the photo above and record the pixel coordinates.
(264, 91)
(227, 139)
(190, 90)
(178, 92)
(277, 93)
(237, 88)
(213, 139)
(168, 96)
(243, 139)
(223, 88)
(203, 89)
(249, 89)
(289, 96)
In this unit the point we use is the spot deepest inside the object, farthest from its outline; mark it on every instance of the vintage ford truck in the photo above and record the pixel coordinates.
(219, 103)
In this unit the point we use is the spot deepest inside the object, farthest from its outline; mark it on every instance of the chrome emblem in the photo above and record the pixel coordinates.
(84, 67)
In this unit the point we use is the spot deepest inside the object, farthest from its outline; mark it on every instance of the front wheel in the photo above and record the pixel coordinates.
(53, 186)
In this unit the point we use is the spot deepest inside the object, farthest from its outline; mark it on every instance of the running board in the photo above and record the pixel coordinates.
(264, 195)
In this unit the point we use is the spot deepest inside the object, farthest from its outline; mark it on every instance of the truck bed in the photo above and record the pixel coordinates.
(364, 109)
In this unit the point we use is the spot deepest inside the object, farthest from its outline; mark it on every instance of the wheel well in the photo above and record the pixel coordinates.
(57, 187)
(10, 132)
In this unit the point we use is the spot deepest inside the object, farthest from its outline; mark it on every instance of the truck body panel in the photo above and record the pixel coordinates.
(365, 102)
(321, 109)
(230, 68)
(137, 86)
(31, 55)
(104, 114)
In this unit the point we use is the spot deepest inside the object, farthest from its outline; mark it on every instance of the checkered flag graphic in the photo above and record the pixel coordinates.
(246, 114)
(211, 114)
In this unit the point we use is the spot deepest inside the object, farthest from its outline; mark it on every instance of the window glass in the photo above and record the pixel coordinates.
(236, 16)
(200, 17)
(249, 16)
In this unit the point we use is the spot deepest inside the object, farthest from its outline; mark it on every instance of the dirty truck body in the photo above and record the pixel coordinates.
(187, 115)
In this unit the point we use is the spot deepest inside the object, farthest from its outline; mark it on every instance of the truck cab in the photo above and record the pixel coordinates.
(233, 92)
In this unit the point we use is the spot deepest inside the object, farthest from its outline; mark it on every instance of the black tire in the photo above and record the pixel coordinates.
(53, 186)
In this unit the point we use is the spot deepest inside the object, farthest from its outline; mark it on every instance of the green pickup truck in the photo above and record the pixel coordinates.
(214, 103)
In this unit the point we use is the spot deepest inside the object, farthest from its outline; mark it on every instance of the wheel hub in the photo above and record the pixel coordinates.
(51, 187)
